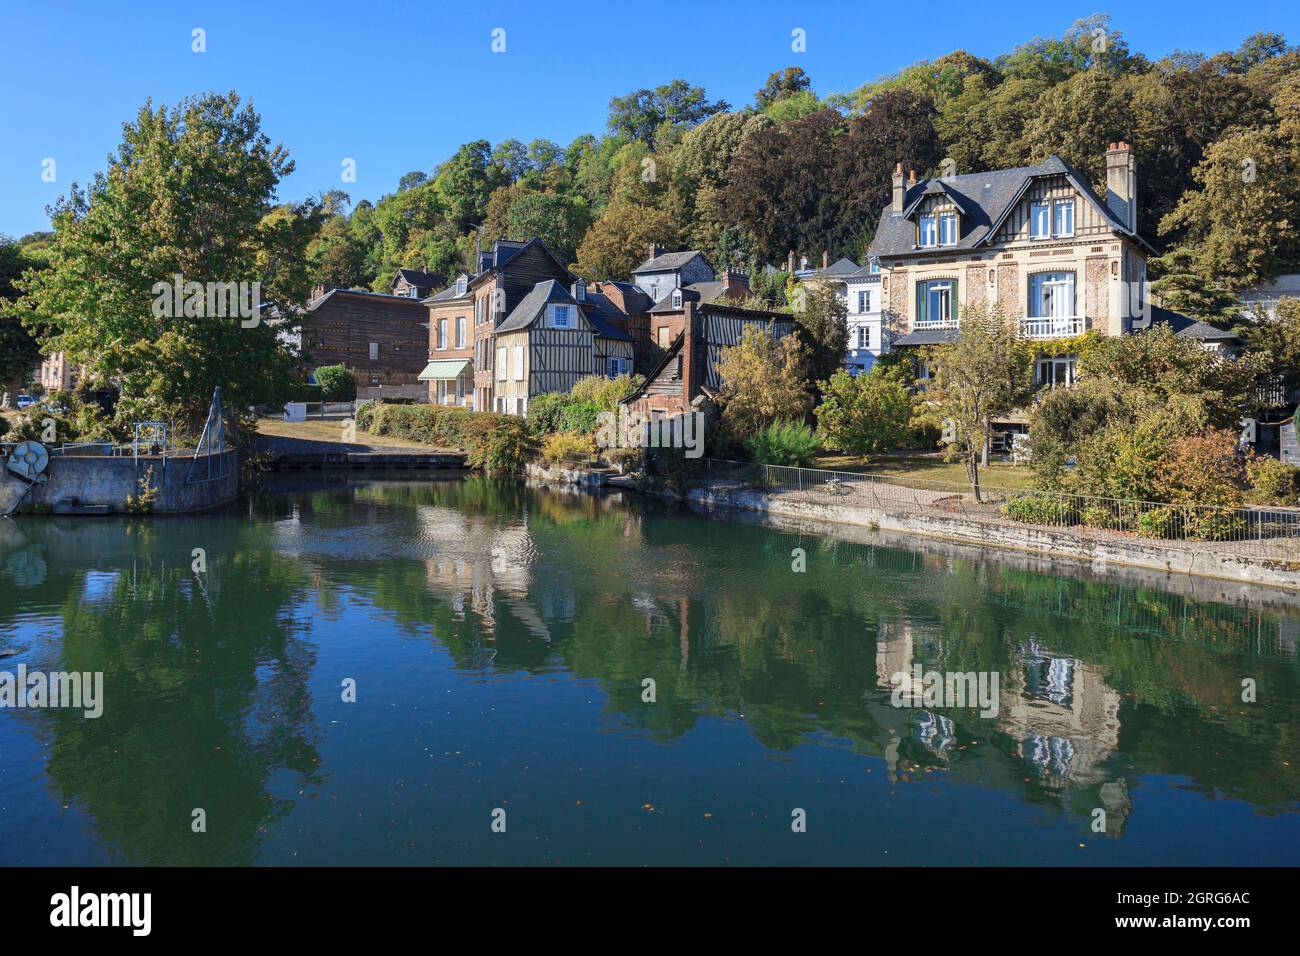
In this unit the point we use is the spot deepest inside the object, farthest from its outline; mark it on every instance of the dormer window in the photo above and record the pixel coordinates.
(875, 267)
(461, 285)
(1063, 217)
(580, 291)
(948, 229)
(677, 298)
(413, 292)
(926, 232)
(1040, 220)
(561, 318)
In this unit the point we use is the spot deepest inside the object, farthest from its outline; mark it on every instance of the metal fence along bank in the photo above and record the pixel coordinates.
(1255, 531)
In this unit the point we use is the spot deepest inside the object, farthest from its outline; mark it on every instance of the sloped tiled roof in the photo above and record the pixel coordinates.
(425, 280)
(987, 198)
(533, 304)
(605, 317)
(668, 261)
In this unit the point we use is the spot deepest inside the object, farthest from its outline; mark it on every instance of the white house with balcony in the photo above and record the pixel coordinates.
(1037, 240)
(868, 336)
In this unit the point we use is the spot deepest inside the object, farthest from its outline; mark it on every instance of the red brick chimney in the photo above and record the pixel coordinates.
(789, 264)
(826, 259)
(693, 351)
(735, 284)
(899, 191)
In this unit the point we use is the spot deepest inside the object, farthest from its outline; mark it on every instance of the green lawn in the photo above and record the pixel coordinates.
(929, 466)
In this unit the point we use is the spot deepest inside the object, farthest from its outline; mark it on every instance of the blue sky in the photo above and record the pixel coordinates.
(398, 86)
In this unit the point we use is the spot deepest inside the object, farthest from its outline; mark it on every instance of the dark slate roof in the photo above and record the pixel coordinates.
(447, 294)
(605, 317)
(695, 292)
(927, 337)
(987, 199)
(426, 280)
(318, 302)
(668, 261)
(534, 303)
(1185, 327)
(636, 298)
(504, 250)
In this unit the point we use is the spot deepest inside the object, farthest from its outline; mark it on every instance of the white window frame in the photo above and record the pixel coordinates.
(1051, 295)
(461, 285)
(1044, 209)
(1057, 207)
(556, 312)
(1045, 370)
(927, 231)
(677, 298)
(460, 331)
(864, 300)
(442, 335)
(503, 369)
(374, 351)
(948, 224)
(519, 363)
(936, 287)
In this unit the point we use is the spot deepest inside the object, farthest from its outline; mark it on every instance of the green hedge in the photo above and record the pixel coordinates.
(496, 443)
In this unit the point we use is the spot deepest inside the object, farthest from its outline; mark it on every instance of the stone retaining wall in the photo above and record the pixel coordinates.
(88, 485)
(1133, 552)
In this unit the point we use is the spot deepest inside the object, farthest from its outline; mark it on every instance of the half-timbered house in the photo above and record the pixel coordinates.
(551, 339)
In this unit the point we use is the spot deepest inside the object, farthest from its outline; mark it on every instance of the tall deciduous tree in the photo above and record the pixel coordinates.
(762, 382)
(984, 373)
(190, 191)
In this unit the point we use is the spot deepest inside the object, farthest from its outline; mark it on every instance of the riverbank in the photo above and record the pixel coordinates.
(931, 514)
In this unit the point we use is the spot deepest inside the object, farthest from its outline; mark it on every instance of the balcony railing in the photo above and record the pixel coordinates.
(936, 324)
(1053, 327)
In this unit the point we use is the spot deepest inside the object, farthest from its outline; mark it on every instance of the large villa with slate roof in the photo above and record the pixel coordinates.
(1036, 240)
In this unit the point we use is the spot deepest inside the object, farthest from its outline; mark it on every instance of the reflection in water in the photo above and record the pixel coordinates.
(223, 684)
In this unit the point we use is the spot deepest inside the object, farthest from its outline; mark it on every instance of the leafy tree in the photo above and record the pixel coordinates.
(783, 185)
(1274, 342)
(188, 192)
(19, 350)
(934, 81)
(821, 324)
(411, 180)
(1183, 289)
(762, 382)
(561, 221)
(984, 373)
(792, 444)
(616, 242)
(642, 114)
(464, 182)
(780, 85)
(1243, 221)
(898, 126)
(866, 413)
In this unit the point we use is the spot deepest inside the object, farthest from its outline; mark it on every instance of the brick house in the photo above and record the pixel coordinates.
(381, 338)
(667, 317)
(504, 276)
(450, 371)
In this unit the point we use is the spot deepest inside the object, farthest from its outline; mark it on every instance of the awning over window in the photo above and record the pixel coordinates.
(444, 368)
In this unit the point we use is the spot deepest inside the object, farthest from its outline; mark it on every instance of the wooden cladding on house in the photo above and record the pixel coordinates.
(1088, 220)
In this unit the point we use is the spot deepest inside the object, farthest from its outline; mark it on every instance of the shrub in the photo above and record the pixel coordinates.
(603, 392)
(365, 415)
(1159, 523)
(1272, 482)
(566, 447)
(865, 413)
(784, 443)
(496, 443)
(544, 412)
(337, 383)
(580, 417)
(1040, 509)
(1097, 516)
